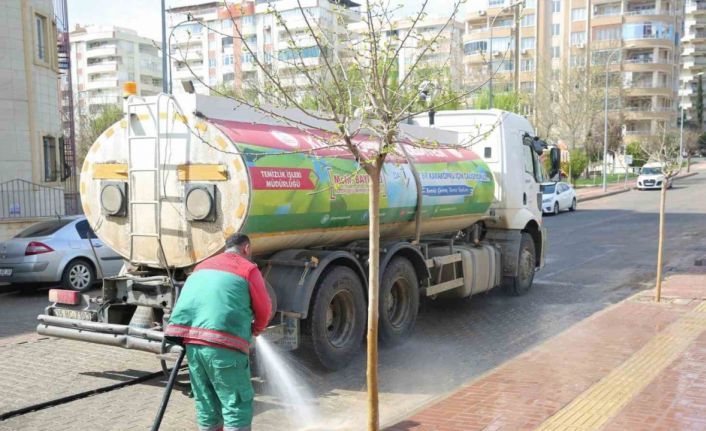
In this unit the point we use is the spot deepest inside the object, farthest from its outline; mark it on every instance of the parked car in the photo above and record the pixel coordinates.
(651, 177)
(57, 251)
(557, 197)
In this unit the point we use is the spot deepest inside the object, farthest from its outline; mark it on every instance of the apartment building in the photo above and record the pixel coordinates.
(693, 56)
(31, 166)
(206, 47)
(29, 102)
(105, 57)
(558, 36)
(445, 54)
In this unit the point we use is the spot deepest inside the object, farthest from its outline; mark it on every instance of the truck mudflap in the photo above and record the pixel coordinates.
(285, 334)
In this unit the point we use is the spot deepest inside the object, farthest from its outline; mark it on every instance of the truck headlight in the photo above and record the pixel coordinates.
(113, 198)
(200, 202)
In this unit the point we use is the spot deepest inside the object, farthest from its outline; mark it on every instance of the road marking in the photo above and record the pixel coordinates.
(601, 402)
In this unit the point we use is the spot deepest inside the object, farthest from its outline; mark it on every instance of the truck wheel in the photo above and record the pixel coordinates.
(399, 302)
(337, 319)
(527, 260)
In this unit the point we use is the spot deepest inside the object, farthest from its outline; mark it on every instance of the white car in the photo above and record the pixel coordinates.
(557, 197)
(651, 177)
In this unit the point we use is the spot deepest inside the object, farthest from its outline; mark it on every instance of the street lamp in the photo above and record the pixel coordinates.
(605, 130)
(490, 48)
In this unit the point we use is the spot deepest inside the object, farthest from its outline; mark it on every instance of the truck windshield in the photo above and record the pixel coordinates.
(547, 188)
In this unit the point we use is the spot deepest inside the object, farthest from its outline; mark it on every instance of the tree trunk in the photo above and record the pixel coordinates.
(688, 163)
(373, 289)
(660, 244)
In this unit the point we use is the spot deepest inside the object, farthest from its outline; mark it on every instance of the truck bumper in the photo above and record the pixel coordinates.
(285, 334)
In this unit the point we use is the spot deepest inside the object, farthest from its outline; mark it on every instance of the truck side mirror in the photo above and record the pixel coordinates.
(556, 161)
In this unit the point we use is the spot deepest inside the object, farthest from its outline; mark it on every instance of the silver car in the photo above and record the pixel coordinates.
(57, 251)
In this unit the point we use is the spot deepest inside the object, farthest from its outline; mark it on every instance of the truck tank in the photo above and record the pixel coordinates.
(188, 181)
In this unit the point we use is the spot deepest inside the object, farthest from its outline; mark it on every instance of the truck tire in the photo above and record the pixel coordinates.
(337, 318)
(527, 260)
(399, 302)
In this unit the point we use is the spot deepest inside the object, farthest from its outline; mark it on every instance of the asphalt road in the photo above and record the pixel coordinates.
(598, 255)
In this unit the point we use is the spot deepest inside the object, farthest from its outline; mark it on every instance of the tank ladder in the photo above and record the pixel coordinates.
(155, 203)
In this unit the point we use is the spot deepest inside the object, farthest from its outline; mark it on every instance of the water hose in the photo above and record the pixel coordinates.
(168, 391)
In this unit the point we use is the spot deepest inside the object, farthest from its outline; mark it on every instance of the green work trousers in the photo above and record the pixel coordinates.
(220, 381)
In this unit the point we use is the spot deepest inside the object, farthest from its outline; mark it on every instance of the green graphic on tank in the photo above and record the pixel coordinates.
(299, 191)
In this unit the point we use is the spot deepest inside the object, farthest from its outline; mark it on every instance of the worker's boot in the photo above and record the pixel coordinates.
(247, 428)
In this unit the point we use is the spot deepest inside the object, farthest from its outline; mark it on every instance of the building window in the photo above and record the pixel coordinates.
(40, 23)
(227, 59)
(556, 29)
(531, 4)
(228, 77)
(529, 20)
(50, 160)
(492, 3)
(501, 44)
(475, 47)
(578, 38)
(556, 51)
(578, 14)
(226, 24)
(607, 33)
(211, 62)
(247, 20)
(527, 65)
(527, 43)
(556, 6)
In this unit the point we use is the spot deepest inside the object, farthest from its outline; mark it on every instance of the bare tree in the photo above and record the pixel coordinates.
(354, 96)
(663, 150)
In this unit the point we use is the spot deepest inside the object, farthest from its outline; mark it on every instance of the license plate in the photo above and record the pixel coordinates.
(74, 314)
(5, 272)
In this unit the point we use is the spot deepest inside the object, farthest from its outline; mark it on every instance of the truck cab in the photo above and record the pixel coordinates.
(506, 143)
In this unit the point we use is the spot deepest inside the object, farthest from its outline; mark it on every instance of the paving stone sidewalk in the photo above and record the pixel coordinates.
(638, 365)
(41, 369)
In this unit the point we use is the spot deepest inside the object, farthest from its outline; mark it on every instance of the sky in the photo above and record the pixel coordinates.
(144, 16)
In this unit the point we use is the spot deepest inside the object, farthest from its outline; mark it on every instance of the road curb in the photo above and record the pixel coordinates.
(603, 195)
(690, 174)
(616, 192)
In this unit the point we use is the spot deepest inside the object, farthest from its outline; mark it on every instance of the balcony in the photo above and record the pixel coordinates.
(102, 67)
(642, 12)
(102, 51)
(101, 84)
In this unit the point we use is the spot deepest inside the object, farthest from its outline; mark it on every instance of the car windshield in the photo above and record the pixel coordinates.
(547, 188)
(651, 171)
(44, 228)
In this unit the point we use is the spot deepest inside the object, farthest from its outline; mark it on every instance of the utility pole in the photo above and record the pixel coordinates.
(165, 87)
(605, 131)
(516, 67)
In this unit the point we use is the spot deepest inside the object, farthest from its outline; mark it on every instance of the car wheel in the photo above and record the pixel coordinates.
(573, 205)
(556, 208)
(78, 275)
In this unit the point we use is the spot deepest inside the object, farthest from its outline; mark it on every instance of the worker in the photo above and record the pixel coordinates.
(222, 306)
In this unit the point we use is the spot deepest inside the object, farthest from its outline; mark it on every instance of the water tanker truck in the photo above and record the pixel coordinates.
(165, 186)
